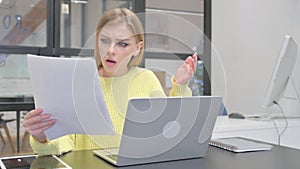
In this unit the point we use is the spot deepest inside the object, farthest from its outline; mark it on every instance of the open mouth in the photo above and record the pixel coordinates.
(110, 62)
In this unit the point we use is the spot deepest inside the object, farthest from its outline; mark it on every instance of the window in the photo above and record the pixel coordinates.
(44, 27)
(174, 31)
(66, 27)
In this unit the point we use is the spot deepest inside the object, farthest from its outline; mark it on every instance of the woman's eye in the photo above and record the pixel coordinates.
(105, 41)
(123, 44)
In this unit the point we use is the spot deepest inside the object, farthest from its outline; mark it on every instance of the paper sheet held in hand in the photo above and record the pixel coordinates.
(69, 89)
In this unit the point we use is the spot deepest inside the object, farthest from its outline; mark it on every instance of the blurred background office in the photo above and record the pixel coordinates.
(66, 28)
(246, 38)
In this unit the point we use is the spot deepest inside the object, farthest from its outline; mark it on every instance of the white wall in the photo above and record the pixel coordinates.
(247, 37)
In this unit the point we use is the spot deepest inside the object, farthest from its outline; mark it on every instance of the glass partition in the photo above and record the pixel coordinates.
(173, 31)
(79, 19)
(175, 27)
(63, 28)
(14, 77)
(23, 23)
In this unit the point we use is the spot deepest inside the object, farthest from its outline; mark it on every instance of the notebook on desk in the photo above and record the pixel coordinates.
(164, 129)
(239, 145)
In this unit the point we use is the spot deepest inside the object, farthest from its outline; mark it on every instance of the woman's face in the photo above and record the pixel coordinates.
(117, 45)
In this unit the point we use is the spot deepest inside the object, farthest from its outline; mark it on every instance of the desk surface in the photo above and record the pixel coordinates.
(225, 124)
(277, 158)
(260, 130)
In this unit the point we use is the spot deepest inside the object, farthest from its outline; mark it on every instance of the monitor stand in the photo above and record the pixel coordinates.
(279, 115)
(297, 99)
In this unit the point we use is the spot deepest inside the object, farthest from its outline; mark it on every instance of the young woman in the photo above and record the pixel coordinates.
(118, 52)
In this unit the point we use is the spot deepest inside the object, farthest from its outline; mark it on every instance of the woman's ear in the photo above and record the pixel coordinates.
(138, 48)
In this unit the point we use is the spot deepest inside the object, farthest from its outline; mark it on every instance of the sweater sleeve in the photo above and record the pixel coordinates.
(180, 90)
(57, 146)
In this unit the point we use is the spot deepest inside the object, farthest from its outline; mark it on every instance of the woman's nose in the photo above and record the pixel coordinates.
(111, 50)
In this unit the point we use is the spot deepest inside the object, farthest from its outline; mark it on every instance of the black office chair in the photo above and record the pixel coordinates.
(4, 126)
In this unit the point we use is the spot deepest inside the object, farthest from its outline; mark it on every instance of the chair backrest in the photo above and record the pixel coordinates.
(4, 121)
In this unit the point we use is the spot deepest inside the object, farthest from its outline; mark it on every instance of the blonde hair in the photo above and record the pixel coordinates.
(121, 15)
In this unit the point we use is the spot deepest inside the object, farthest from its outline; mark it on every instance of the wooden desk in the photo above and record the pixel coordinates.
(17, 104)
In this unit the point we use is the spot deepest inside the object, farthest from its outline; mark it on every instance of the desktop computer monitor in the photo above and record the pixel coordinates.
(282, 72)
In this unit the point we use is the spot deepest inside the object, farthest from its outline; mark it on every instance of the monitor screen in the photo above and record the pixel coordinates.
(282, 72)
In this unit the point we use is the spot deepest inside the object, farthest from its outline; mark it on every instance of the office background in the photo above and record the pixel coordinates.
(247, 36)
(63, 28)
(246, 39)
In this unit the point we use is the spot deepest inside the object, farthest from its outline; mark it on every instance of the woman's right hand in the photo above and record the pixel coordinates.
(35, 123)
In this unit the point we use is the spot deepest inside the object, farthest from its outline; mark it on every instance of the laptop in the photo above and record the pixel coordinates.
(165, 129)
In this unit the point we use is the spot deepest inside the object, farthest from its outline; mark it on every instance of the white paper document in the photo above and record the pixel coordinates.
(69, 89)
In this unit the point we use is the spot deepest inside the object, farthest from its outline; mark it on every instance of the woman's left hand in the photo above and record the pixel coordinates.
(186, 71)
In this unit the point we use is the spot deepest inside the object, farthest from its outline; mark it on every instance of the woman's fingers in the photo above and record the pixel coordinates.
(35, 116)
(33, 113)
(195, 59)
(191, 62)
(36, 132)
(41, 124)
(36, 123)
(186, 70)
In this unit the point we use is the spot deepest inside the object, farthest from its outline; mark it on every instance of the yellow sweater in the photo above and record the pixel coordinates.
(138, 82)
